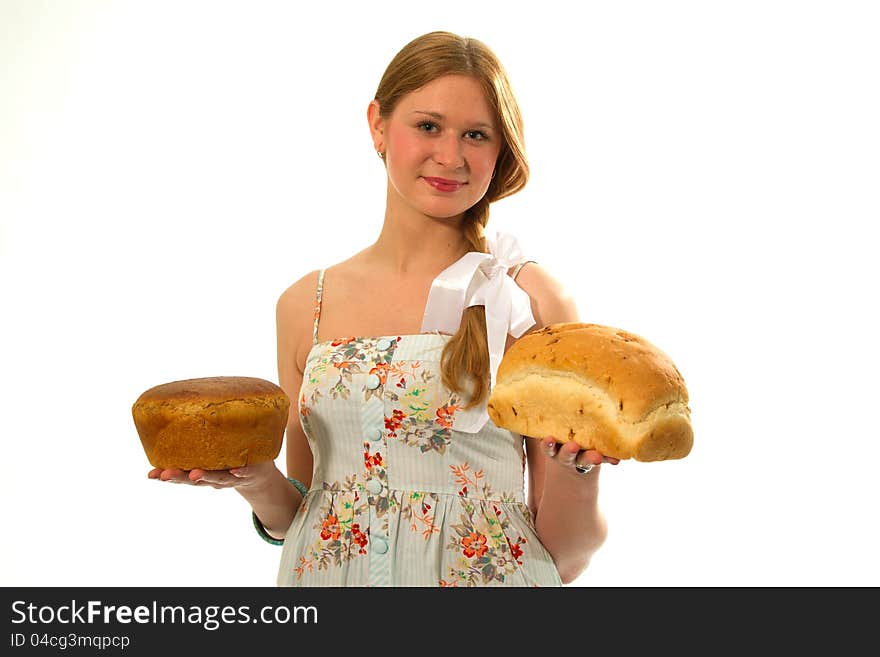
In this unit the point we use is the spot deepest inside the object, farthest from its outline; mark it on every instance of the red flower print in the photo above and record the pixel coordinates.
(330, 528)
(393, 423)
(474, 545)
(372, 459)
(359, 538)
(337, 343)
(515, 550)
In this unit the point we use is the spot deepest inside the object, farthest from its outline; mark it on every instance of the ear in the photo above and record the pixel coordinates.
(377, 125)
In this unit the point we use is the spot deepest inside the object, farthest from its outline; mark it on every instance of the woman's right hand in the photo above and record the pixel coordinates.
(250, 477)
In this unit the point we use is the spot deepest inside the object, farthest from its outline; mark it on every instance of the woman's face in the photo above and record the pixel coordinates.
(441, 143)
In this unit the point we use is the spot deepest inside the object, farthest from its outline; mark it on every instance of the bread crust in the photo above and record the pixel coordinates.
(211, 423)
(603, 387)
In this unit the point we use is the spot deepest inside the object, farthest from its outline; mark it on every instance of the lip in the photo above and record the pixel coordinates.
(444, 184)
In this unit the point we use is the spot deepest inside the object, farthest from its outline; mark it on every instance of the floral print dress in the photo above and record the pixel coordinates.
(398, 496)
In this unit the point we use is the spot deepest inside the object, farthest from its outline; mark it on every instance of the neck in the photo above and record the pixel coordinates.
(413, 245)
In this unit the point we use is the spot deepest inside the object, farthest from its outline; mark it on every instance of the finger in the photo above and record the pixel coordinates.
(597, 458)
(215, 478)
(549, 446)
(592, 457)
(173, 474)
(213, 484)
(154, 473)
(196, 474)
(568, 453)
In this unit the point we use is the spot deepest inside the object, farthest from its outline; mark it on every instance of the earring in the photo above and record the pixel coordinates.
(380, 154)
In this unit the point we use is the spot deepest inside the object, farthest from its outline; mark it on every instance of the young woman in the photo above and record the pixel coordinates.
(396, 475)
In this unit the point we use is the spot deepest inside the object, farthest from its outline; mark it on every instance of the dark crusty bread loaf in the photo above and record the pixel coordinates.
(212, 423)
(600, 386)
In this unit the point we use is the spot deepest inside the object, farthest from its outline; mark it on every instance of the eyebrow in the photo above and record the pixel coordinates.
(440, 117)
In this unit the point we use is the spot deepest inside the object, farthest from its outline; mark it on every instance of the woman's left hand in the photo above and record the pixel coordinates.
(570, 458)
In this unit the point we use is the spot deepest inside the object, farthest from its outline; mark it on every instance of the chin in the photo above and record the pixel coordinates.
(445, 209)
(444, 216)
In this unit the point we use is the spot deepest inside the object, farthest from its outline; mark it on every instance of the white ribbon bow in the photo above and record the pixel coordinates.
(480, 279)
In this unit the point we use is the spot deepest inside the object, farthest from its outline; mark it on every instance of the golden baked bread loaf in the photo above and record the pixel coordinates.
(600, 386)
(212, 423)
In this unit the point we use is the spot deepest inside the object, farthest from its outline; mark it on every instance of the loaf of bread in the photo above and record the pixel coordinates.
(600, 386)
(212, 423)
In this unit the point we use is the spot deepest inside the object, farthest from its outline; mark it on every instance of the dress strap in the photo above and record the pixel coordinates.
(318, 293)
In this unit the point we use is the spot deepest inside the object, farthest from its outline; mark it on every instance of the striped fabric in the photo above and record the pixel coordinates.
(398, 496)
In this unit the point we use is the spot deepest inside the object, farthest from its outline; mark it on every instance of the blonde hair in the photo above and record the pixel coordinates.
(424, 59)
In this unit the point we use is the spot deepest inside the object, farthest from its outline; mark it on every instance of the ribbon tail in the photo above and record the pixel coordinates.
(497, 323)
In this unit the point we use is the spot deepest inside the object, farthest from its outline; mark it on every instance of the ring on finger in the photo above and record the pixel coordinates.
(583, 469)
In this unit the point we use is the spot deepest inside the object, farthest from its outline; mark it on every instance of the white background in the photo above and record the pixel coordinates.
(704, 174)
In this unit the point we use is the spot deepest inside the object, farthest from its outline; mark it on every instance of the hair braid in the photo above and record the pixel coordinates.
(465, 358)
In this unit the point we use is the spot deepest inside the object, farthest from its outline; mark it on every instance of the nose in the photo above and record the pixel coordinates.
(448, 151)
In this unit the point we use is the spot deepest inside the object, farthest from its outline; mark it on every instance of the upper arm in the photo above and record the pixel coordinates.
(294, 313)
(551, 304)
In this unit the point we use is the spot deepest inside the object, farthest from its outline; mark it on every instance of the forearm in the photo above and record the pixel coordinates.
(274, 503)
(569, 523)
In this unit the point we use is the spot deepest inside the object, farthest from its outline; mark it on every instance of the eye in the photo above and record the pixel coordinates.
(477, 135)
(427, 126)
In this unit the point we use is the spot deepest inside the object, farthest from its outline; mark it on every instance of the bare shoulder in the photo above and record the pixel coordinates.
(299, 295)
(294, 316)
(552, 302)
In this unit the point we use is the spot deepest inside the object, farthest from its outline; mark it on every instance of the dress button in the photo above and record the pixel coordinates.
(374, 434)
(373, 381)
(380, 545)
(374, 486)
(383, 344)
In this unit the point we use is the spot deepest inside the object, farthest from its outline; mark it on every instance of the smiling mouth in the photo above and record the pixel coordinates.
(443, 184)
